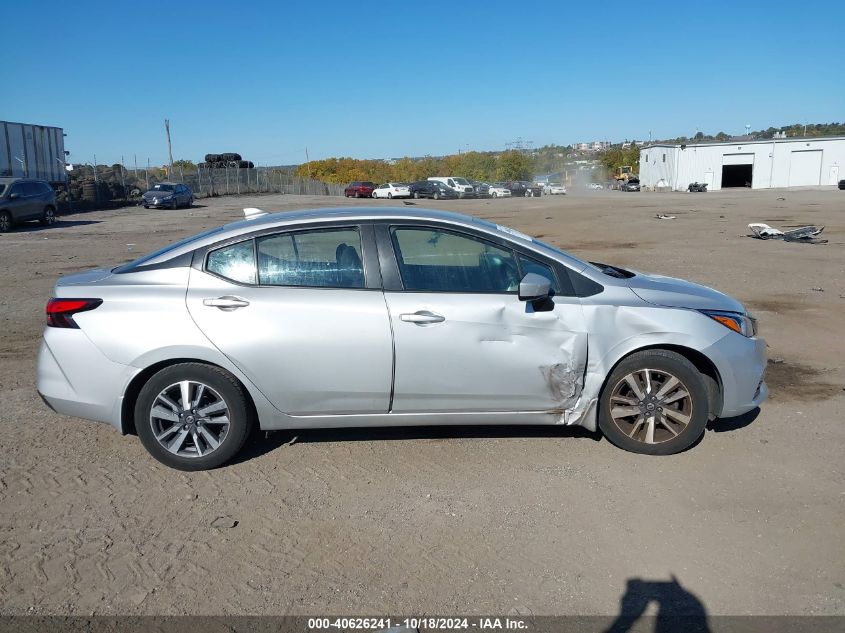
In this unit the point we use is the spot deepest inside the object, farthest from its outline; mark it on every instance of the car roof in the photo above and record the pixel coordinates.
(358, 214)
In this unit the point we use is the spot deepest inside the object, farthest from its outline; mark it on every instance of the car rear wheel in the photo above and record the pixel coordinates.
(437, 195)
(49, 216)
(416, 195)
(654, 402)
(390, 196)
(192, 416)
(5, 221)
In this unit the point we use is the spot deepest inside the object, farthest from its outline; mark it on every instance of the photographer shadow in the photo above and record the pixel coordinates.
(677, 608)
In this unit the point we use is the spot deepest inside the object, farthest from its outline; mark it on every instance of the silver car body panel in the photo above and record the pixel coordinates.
(347, 357)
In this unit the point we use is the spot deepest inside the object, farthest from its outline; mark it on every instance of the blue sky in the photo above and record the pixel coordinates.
(386, 79)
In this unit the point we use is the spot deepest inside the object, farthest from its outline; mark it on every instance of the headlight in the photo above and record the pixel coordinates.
(744, 324)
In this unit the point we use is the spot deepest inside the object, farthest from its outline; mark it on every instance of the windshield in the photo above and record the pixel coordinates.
(161, 187)
(461, 181)
(128, 268)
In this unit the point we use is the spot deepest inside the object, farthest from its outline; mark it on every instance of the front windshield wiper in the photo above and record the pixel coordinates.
(613, 271)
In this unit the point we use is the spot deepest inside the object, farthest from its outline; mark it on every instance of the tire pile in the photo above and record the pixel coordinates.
(222, 161)
(89, 189)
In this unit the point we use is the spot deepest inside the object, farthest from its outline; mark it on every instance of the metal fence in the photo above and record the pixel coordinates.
(229, 180)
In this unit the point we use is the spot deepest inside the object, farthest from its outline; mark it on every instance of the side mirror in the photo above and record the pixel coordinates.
(14, 196)
(534, 287)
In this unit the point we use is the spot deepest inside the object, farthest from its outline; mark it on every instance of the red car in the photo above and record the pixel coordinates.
(359, 189)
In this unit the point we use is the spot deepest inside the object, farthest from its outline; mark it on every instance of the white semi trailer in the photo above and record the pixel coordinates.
(32, 151)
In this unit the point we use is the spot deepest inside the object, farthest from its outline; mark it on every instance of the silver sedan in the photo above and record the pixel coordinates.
(389, 317)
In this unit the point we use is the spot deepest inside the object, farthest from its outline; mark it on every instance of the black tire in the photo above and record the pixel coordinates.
(223, 383)
(190, 202)
(494, 195)
(5, 221)
(675, 365)
(146, 206)
(174, 205)
(49, 216)
(437, 195)
(390, 196)
(416, 195)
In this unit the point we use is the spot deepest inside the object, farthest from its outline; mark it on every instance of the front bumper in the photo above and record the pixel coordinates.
(156, 203)
(742, 365)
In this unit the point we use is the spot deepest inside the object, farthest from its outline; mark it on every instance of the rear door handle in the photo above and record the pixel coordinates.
(226, 303)
(422, 317)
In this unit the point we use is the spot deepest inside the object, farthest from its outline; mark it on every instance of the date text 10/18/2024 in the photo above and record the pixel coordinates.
(377, 624)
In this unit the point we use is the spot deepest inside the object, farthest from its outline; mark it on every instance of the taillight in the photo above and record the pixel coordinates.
(60, 311)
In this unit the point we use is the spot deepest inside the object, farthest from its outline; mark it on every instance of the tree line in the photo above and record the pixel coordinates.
(509, 165)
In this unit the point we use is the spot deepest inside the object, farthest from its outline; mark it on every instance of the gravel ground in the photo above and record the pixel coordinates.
(448, 520)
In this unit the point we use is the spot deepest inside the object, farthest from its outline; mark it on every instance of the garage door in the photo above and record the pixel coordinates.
(737, 170)
(805, 168)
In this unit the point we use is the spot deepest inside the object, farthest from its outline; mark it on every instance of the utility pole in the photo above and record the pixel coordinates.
(136, 165)
(169, 148)
(308, 162)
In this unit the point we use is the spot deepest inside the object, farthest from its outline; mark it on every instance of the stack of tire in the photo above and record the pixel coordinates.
(98, 191)
(229, 159)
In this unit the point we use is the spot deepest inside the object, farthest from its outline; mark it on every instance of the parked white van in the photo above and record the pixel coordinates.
(461, 186)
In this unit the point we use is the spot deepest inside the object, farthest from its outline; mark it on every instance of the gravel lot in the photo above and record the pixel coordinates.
(448, 520)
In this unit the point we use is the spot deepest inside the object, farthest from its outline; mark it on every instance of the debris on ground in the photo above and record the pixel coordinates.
(775, 360)
(818, 289)
(222, 523)
(804, 234)
(663, 216)
(781, 198)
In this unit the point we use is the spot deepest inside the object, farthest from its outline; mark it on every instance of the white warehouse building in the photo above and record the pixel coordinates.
(760, 164)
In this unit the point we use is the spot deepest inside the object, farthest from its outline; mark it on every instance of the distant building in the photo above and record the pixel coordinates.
(759, 164)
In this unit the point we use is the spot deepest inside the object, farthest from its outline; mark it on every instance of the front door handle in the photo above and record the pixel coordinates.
(422, 317)
(226, 303)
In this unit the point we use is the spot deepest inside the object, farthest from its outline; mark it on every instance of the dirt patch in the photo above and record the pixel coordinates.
(793, 381)
(779, 306)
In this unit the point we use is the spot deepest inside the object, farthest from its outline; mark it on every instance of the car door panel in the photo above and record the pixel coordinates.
(488, 353)
(310, 351)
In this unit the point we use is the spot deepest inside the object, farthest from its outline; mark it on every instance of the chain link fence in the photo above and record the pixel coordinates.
(210, 181)
(97, 186)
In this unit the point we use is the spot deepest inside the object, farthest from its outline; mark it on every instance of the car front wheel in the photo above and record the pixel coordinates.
(5, 221)
(654, 402)
(192, 416)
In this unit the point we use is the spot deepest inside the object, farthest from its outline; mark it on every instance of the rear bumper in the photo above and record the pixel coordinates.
(75, 378)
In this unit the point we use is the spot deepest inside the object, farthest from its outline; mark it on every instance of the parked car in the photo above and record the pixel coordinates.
(697, 187)
(631, 185)
(461, 186)
(262, 324)
(499, 191)
(432, 189)
(482, 189)
(24, 199)
(359, 189)
(168, 194)
(392, 190)
(523, 188)
(842, 184)
(554, 189)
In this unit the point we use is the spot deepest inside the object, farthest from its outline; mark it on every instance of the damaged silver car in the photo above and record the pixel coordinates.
(361, 317)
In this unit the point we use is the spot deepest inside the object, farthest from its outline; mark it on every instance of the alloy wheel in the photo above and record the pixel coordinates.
(189, 419)
(651, 406)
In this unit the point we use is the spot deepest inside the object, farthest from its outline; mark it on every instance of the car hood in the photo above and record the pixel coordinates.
(158, 194)
(678, 293)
